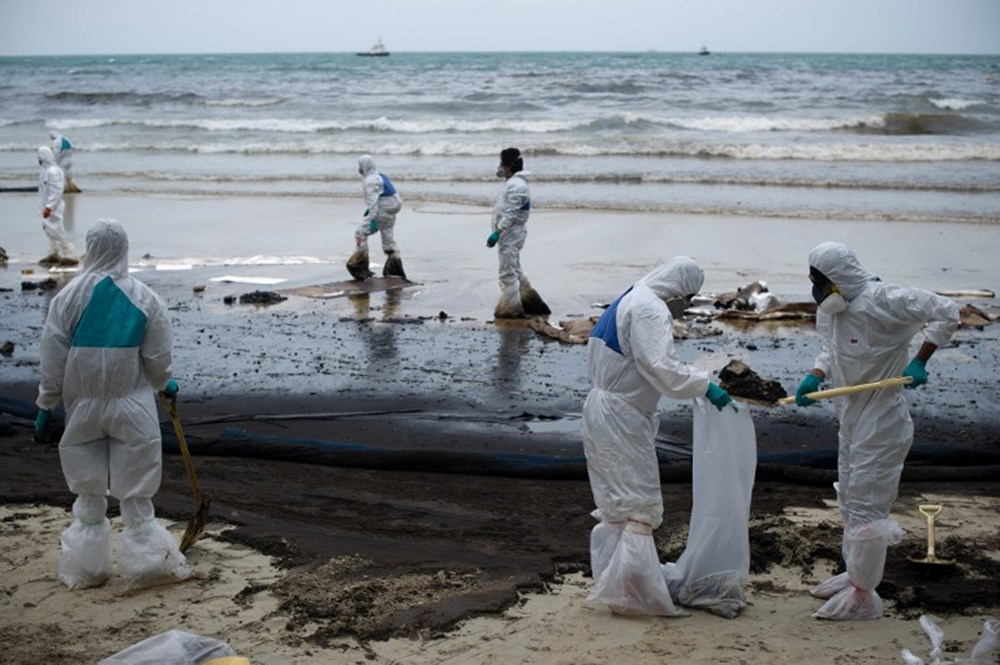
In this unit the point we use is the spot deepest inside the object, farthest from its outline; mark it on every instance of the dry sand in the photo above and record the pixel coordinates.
(307, 564)
(239, 596)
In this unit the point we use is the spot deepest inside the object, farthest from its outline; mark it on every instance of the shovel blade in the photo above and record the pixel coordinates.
(196, 525)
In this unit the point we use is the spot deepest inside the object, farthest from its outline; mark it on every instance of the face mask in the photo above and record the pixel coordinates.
(500, 173)
(677, 306)
(833, 303)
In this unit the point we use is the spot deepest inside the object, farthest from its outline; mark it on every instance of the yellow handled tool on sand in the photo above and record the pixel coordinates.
(930, 511)
(850, 390)
(197, 523)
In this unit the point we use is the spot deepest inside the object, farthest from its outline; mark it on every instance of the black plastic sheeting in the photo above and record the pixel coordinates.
(818, 466)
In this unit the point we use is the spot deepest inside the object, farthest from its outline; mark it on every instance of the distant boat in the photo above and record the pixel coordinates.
(704, 50)
(377, 49)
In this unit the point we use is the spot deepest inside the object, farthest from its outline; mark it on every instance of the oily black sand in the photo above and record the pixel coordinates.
(386, 544)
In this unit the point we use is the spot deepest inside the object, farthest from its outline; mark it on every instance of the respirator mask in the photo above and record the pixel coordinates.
(826, 294)
(678, 306)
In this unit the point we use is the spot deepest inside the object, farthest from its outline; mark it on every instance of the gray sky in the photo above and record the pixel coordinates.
(56, 27)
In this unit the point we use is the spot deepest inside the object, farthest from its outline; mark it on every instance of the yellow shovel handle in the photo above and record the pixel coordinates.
(850, 390)
(170, 405)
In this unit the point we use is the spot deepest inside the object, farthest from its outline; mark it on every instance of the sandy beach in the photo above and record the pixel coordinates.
(383, 558)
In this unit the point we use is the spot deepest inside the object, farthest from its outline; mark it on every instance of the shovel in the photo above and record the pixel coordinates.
(197, 523)
(930, 511)
(850, 390)
(832, 392)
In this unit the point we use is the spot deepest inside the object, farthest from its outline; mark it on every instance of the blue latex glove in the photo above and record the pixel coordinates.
(372, 227)
(918, 370)
(42, 424)
(492, 240)
(810, 384)
(717, 396)
(171, 389)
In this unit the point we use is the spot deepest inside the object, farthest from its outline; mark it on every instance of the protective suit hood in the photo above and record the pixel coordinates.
(841, 266)
(676, 278)
(107, 249)
(366, 165)
(45, 156)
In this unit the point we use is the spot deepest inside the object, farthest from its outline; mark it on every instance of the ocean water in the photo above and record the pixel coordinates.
(872, 137)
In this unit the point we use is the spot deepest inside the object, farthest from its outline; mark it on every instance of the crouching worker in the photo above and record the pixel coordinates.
(866, 326)
(105, 351)
(631, 362)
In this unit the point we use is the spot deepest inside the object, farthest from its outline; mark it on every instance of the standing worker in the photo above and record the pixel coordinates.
(382, 203)
(631, 362)
(867, 326)
(105, 351)
(63, 151)
(50, 192)
(510, 218)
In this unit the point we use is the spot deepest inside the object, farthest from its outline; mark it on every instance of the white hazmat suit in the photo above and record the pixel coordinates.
(509, 224)
(632, 362)
(382, 203)
(51, 183)
(867, 342)
(105, 350)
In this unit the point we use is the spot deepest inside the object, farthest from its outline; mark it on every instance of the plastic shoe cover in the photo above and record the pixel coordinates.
(393, 266)
(722, 594)
(632, 582)
(603, 542)
(148, 555)
(85, 554)
(832, 586)
(357, 265)
(988, 642)
(174, 647)
(910, 659)
(981, 653)
(851, 604)
(531, 302)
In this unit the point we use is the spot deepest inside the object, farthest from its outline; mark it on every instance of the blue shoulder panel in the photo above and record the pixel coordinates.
(111, 320)
(387, 188)
(606, 328)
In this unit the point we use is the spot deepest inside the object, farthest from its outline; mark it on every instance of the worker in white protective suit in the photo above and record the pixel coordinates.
(63, 151)
(509, 231)
(382, 203)
(105, 351)
(51, 208)
(631, 362)
(867, 326)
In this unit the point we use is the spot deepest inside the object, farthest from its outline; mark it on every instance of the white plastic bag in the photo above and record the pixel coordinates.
(713, 570)
(981, 653)
(174, 647)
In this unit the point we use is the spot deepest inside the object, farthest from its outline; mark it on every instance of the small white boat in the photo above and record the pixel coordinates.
(704, 50)
(377, 49)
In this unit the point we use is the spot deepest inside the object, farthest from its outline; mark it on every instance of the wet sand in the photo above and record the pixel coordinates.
(389, 372)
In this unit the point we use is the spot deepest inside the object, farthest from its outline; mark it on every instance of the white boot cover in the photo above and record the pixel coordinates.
(146, 552)
(864, 552)
(632, 583)
(85, 546)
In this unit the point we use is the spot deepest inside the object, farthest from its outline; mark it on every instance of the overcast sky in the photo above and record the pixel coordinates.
(58, 27)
